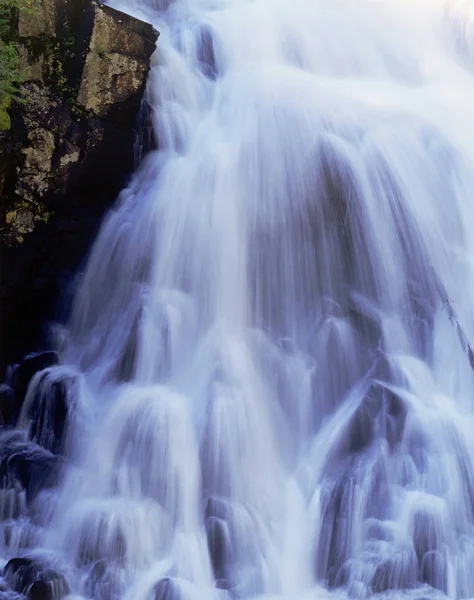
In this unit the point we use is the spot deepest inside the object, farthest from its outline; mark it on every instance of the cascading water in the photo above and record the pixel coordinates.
(268, 366)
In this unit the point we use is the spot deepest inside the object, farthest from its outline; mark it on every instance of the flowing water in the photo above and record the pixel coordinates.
(269, 367)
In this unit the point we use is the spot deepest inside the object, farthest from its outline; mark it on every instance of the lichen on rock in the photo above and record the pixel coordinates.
(40, 21)
(116, 63)
(109, 78)
(66, 104)
(69, 152)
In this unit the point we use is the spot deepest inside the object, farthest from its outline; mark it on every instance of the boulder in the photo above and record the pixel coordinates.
(105, 581)
(39, 22)
(26, 466)
(35, 579)
(51, 399)
(116, 65)
(69, 153)
(218, 541)
(166, 589)
(26, 370)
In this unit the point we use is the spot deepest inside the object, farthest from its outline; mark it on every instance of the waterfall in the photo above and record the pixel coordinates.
(267, 377)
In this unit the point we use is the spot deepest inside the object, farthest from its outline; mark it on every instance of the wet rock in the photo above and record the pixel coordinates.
(400, 571)
(381, 414)
(427, 541)
(105, 582)
(218, 540)
(52, 396)
(335, 535)
(427, 535)
(354, 487)
(35, 579)
(27, 369)
(8, 407)
(434, 570)
(166, 589)
(217, 507)
(218, 514)
(396, 417)
(235, 547)
(379, 499)
(27, 465)
(101, 539)
(33, 363)
(206, 55)
(19, 535)
(363, 425)
(127, 364)
(13, 504)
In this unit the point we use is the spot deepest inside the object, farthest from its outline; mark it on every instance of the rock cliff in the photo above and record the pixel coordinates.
(67, 155)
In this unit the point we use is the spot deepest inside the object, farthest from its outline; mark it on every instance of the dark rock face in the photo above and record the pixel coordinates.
(219, 547)
(22, 376)
(26, 466)
(8, 408)
(206, 54)
(381, 414)
(35, 580)
(52, 398)
(166, 589)
(104, 581)
(116, 65)
(69, 153)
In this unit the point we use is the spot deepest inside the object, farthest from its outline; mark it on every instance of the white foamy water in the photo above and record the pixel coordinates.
(270, 346)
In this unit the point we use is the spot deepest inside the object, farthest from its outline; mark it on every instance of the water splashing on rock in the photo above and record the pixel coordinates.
(266, 388)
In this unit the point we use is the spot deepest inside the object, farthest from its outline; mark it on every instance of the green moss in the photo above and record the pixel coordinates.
(5, 121)
(11, 73)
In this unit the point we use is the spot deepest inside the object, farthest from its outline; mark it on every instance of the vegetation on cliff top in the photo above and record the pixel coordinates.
(11, 73)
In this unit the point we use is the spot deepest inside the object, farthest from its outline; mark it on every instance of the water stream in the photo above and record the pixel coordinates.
(268, 362)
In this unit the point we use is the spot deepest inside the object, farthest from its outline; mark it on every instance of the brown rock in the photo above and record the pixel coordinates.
(40, 21)
(68, 154)
(117, 61)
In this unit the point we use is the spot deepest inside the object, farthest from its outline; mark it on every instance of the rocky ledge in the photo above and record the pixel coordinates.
(67, 155)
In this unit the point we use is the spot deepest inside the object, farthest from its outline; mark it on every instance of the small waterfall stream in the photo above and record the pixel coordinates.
(267, 378)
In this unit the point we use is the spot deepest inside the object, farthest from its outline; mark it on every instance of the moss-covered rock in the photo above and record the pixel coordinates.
(116, 64)
(37, 22)
(69, 152)
(5, 121)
